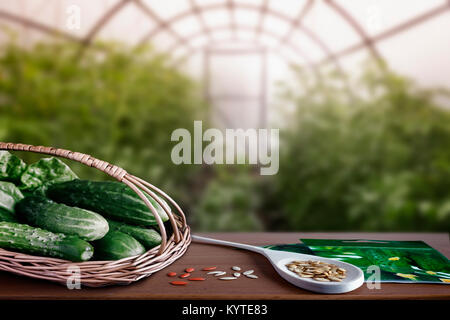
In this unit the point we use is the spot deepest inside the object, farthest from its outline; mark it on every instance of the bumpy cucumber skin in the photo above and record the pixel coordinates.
(117, 245)
(114, 200)
(7, 216)
(149, 238)
(22, 237)
(44, 213)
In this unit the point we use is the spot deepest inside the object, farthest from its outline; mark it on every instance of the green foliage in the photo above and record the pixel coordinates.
(118, 104)
(229, 202)
(373, 155)
(46, 171)
(9, 196)
(11, 167)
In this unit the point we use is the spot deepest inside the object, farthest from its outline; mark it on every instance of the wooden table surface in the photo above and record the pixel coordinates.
(269, 286)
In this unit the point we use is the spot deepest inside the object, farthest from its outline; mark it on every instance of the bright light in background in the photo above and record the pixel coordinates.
(365, 154)
(322, 31)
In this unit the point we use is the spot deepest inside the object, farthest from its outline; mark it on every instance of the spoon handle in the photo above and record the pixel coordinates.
(228, 243)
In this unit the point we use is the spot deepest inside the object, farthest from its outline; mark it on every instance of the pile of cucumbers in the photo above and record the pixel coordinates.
(47, 211)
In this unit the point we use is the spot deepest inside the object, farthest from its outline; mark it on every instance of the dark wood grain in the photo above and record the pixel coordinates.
(268, 286)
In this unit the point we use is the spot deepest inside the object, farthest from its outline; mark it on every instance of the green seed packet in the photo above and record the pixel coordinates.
(397, 261)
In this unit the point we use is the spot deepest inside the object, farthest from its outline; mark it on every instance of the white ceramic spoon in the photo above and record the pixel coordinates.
(279, 259)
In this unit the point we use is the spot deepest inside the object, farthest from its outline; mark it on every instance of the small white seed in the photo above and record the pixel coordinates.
(236, 268)
(220, 274)
(248, 272)
(251, 276)
(236, 274)
(227, 278)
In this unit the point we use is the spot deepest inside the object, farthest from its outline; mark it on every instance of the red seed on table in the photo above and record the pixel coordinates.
(179, 283)
(171, 274)
(188, 270)
(209, 268)
(185, 275)
(196, 279)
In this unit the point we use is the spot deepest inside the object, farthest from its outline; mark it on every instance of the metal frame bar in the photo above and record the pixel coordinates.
(302, 14)
(38, 26)
(260, 98)
(262, 16)
(210, 44)
(356, 27)
(266, 11)
(230, 4)
(103, 21)
(291, 46)
(162, 25)
(200, 18)
(87, 40)
(412, 22)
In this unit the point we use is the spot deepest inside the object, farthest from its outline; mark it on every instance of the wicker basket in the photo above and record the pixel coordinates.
(103, 273)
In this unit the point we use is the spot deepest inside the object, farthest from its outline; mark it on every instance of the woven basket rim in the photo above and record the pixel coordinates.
(102, 273)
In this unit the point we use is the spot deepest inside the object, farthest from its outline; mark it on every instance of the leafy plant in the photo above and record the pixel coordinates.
(373, 156)
(119, 105)
(229, 202)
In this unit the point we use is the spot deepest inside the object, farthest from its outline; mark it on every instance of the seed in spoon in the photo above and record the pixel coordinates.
(334, 279)
(236, 274)
(236, 268)
(317, 270)
(322, 279)
(248, 272)
(306, 275)
(251, 276)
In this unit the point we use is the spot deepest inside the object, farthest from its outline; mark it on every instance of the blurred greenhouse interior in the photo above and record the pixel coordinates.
(358, 88)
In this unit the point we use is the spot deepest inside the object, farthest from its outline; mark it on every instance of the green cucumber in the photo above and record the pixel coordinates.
(114, 200)
(149, 238)
(7, 216)
(117, 245)
(44, 213)
(21, 237)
